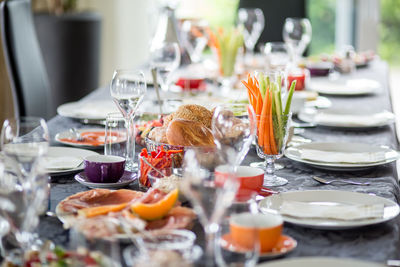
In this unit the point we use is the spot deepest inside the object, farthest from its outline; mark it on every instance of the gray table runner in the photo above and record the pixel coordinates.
(375, 243)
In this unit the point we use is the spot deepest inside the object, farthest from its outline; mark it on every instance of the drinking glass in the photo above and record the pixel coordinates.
(194, 38)
(165, 57)
(271, 141)
(208, 199)
(297, 34)
(115, 135)
(252, 20)
(128, 88)
(24, 142)
(233, 128)
(227, 251)
(277, 55)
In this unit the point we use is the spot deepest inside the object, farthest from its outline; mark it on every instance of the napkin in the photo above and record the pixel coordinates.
(62, 163)
(354, 120)
(342, 157)
(328, 211)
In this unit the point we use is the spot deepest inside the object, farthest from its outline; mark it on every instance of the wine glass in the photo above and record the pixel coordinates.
(207, 198)
(297, 34)
(271, 141)
(165, 57)
(24, 142)
(253, 23)
(277, 55)
(128, 88)
(233, 127)
(194, 38)
(228, 251)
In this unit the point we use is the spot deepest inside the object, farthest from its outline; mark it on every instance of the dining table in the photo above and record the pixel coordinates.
(377, 243)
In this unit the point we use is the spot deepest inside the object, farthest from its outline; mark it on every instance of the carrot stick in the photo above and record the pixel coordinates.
(263, 130)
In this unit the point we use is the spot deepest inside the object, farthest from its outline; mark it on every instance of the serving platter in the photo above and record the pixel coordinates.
(330, 198)
(388, 155)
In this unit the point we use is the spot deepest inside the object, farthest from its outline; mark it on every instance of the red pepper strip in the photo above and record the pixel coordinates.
(153, 154)
(144, 153)
(160, 154)
(170, 152)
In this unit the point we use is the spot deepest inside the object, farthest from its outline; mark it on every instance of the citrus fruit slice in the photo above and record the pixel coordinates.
(157, 210)
(101, 210)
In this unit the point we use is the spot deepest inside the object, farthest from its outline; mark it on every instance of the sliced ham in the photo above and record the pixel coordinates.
(98, 197)
(177, 218)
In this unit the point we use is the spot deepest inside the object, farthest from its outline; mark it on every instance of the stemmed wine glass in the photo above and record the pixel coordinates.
(165, 57)
(233, 127)
(24, 142)
(195, 38)
(253, 23)
(277, 55)
(271, 141)
(297, 34)
(128, 88)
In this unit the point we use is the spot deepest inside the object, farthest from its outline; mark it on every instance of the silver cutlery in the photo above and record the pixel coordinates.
(324, 181)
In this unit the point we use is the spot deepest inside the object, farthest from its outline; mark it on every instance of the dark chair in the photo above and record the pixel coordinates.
(25, 66)
(275, 13)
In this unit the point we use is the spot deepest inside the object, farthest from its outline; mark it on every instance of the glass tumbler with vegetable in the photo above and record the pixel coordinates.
(273, 121)
(226, 44)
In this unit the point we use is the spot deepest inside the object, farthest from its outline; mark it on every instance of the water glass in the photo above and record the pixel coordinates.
(277, 55)
(115, 135)
(228, 252)
(297, 34)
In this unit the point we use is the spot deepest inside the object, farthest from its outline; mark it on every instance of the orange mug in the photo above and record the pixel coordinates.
(250, 180)
(269, 227)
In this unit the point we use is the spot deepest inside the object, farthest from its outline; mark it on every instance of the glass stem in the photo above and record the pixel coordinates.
(269, 166)
(130, 142)
(209, 255)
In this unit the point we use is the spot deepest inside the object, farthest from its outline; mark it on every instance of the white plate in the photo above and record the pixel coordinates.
(55, 151)
(331, 197)
(318, 262)
(89, 110)
(346, 118)
(126, 179)
(294, 153)
(68, 134)
(344, 87)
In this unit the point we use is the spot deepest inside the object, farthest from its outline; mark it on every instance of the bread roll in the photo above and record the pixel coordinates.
(182, 132)
(193, 112)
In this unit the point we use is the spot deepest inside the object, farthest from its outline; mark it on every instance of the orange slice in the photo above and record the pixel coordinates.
(153, 211)
(101, 210)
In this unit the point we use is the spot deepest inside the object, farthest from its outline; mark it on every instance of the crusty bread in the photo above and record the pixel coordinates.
(193, 112)
(182, 132)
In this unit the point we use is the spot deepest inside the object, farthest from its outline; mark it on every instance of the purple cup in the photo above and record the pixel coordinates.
(104, 168)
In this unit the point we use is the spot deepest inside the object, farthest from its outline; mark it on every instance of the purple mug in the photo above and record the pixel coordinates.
(104, 168)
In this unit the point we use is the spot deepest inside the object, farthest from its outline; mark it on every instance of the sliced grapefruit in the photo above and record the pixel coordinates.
(155, 210)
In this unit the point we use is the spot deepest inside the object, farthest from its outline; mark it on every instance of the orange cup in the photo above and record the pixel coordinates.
(250, 180)
(268, 226)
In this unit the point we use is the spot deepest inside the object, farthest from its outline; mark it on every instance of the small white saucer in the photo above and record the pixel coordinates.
(126, 179)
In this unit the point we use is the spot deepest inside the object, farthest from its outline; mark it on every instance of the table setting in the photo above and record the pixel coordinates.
(210, 159)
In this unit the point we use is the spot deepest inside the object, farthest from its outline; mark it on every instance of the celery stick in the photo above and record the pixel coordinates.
(278, 113)
(289, 99)
(263, 87)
